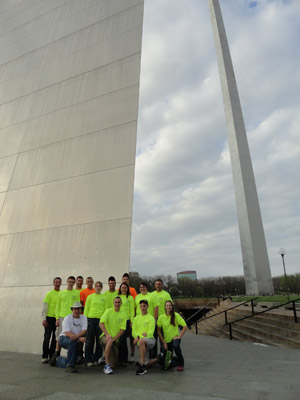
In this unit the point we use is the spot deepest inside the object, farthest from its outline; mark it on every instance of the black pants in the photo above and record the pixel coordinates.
(123, 349)
(49, 334)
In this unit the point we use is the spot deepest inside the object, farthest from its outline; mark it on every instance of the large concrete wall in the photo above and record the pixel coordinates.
(69, 85)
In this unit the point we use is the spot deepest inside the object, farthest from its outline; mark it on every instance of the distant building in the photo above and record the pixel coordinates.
(192, 275)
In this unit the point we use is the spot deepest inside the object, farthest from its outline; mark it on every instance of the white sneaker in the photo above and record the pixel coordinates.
(101, 360)
(45, 360)
(131, 358)
(89, 365)
(107, 369)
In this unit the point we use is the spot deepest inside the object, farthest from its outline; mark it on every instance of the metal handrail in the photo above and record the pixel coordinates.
(231, 308)
(202, 308)
(262, 312)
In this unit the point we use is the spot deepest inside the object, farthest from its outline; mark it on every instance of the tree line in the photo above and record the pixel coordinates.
(212, 287)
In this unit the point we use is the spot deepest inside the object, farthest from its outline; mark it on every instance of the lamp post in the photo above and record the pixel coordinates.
(282, 253)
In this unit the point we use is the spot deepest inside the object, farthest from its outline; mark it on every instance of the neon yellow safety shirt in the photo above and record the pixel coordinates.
(152, 302)
(169, 330)
(65, 300)
(127, 306)
(51, 299)
(143, 324)
(95, 306)
(113, 321)
(109, 298)
(162, 297)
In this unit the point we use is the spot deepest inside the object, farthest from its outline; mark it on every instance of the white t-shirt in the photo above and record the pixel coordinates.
(74, 325)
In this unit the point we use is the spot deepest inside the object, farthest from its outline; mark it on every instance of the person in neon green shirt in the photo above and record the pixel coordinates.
(65, 301)
(79, 283)
(111, 293)
(113, 325)
(49, 321)
(143, 332)
(127, 308)
(167, 328)
(94, 309)
(161, 295)
(152, 301)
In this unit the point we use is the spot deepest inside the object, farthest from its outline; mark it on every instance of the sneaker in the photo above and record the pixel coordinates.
(52, 361)
(45, 360)
(101, 360)
(141, 370)
(131, 359)
(71, 369)
(90, 364)
(95, 364)
(107, 369)
(180, 368)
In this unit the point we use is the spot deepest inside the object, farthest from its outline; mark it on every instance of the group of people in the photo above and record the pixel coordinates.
(77, 316)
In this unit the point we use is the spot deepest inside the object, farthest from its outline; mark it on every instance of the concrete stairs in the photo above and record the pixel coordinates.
(274, 328)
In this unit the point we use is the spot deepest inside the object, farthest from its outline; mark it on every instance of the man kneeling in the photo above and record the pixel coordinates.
(73, 333)
(113, 325)
(143, 332)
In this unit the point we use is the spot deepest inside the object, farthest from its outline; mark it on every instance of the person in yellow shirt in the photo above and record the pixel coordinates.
(48, 315)
(125, 278)
(79, 283)
(65, 301)
(167, 328)
(143, 332)
(113, 325)
(94, 309)
(127, 308)
(152, 301)
(111, 293)
(84, 293)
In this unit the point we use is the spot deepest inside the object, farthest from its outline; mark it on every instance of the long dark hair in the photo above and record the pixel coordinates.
(128, 291)
(172, 313)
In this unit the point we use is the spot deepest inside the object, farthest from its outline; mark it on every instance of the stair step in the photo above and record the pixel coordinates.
(244, 336)
(273, 338)
(285, 330)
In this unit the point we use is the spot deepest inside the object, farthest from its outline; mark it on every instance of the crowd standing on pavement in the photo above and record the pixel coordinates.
(110, 328)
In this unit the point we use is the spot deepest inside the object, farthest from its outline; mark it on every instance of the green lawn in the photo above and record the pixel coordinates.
(277, 298)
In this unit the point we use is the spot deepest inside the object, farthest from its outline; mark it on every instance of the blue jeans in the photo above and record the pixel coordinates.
(72, 347)
(175, 345)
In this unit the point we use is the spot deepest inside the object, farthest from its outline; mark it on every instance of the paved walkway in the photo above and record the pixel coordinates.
(216, 369)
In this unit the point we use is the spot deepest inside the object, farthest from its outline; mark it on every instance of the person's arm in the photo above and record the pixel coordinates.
(87, 306)
(160, 335)
(131, 308)
(74, 337)
(156, 313)
(57, 311)
(104, 330)
(44, 313)
(82, 297)
(180, 321)
(115, 338)
(182, 332)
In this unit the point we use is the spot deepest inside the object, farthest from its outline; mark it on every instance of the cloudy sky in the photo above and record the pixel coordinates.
(184, 205)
